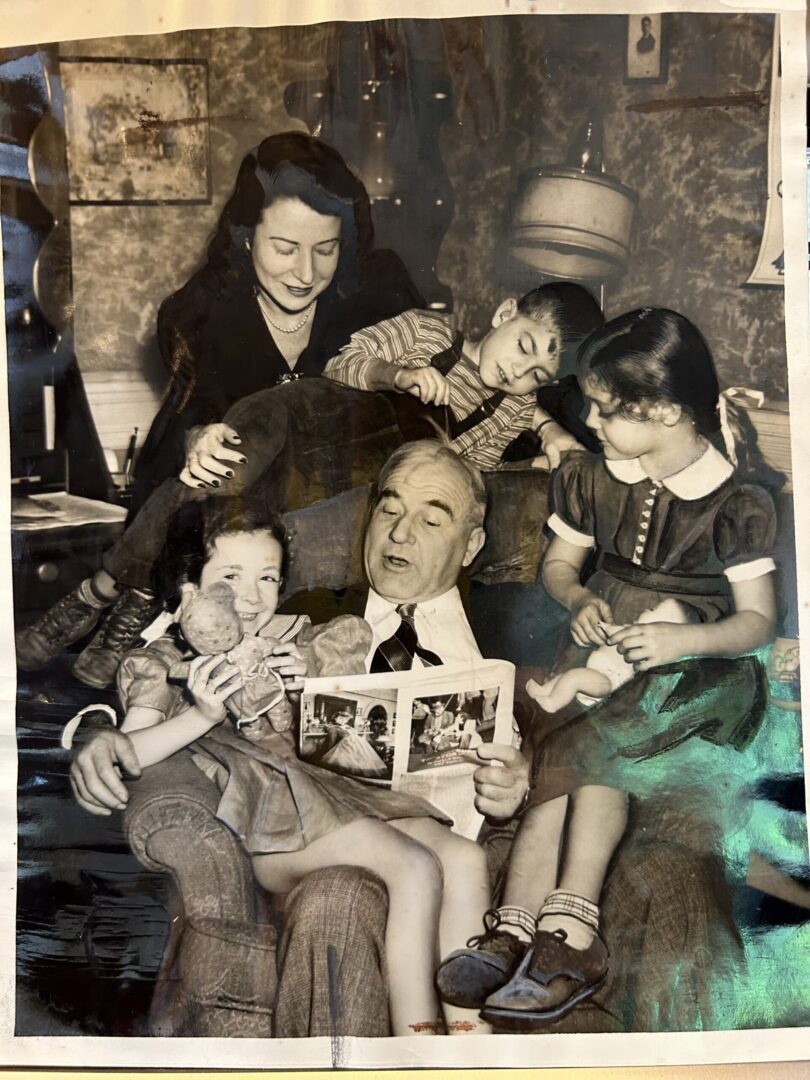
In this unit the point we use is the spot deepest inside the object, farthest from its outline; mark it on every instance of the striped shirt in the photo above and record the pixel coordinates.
(411, 340)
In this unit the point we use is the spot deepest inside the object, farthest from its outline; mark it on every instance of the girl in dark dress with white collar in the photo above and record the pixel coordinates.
(661, 515)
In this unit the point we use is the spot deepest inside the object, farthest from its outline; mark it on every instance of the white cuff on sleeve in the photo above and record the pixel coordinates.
(566, 532)
(747, 571)
(72, 726)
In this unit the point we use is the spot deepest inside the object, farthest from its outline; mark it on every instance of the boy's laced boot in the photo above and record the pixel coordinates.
(97, 664)
(468, 976)
(67, 621)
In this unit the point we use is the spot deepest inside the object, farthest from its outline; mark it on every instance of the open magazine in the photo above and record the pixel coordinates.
(414, 731)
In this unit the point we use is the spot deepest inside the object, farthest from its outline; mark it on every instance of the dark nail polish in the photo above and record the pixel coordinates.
(229, 473)
(243, 461)
(200, 485)
(216, 483)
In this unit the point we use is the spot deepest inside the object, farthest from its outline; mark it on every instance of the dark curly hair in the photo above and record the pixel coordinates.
(292, 165)
(193, 531)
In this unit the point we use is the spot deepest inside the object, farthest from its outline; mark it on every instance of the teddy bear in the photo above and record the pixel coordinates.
(210, 624)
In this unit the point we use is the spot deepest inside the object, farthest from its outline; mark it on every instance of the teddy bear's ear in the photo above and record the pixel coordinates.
(209, 621)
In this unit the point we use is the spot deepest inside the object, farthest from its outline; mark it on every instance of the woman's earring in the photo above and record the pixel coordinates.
(247, 246)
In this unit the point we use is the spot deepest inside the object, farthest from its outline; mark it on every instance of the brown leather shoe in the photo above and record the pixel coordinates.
(551, 980)
(67, 621)
(97, 664)
(468, 976)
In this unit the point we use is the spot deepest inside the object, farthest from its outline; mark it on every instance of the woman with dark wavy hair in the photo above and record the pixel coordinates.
(290, 275)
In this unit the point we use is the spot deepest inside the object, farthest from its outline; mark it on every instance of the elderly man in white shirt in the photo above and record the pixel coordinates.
(425, 525)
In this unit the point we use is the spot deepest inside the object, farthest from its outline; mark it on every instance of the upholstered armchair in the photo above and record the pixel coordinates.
(218, 975)
(665, 906)
(666, 915)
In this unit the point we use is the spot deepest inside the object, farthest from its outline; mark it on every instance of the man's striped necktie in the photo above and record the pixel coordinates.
(397, 652)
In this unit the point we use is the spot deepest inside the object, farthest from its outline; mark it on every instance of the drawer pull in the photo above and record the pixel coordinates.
(48, 572)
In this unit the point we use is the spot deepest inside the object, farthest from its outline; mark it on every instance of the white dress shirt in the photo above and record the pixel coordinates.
(441, 626)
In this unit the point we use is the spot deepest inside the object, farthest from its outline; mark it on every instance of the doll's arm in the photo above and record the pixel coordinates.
(556, 693)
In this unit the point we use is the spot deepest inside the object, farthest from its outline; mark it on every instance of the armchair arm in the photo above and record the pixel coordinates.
(218, 976)
(170, 825)
(517, 510)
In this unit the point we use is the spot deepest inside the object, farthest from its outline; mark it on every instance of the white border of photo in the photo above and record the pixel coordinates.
(30, 21)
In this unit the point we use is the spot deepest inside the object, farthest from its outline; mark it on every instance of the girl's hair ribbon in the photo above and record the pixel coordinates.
(727, 407)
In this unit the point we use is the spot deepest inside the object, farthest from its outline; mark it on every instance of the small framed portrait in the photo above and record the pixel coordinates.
(646, 49)
(137, 130)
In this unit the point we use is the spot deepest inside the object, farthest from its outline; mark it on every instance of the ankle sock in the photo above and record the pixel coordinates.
(576, 915)
(518, 921)
(92, 597)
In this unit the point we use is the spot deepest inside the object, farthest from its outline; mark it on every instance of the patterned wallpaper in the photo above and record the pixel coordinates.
(700, 173)
(127, 259)
(522, 87)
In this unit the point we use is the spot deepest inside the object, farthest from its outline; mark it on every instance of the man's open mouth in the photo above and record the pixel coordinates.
(396, 562)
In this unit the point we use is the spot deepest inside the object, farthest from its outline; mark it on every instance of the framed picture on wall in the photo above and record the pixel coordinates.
(137, 130)
(646, 49)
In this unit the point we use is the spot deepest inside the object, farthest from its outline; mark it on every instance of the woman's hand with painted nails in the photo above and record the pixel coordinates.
(212, 453)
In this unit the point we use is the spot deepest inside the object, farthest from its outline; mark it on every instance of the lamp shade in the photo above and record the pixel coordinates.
(572, 223)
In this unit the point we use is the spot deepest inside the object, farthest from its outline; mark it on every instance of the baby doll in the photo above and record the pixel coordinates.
(605, 669)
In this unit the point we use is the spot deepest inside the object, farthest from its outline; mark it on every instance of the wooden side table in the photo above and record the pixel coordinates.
(49, 562)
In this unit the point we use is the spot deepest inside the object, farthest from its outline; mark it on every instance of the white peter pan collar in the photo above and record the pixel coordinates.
(698, 479)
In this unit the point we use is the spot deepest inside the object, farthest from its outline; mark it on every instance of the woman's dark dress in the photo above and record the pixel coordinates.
(218, 350)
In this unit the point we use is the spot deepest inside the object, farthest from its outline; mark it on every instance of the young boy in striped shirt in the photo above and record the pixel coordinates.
(489, 387)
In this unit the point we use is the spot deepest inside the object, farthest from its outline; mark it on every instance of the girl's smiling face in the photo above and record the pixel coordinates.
(251, 565)
(621, 436)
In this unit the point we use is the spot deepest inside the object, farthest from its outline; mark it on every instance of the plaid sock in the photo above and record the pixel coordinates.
(519, 917)
(560, 902)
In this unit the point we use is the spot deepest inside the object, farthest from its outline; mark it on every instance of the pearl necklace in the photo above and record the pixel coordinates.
(284, 329)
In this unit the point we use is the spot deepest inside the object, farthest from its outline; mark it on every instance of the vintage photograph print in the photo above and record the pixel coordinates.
(444, 724)
(646, 48)
(351, 734)
(382, 349)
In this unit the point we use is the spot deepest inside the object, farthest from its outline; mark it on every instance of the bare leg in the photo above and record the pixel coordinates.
(560, 690)
(534, 864)
(597, 823)
(767, 878)
(465, 899)
(412, 877)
